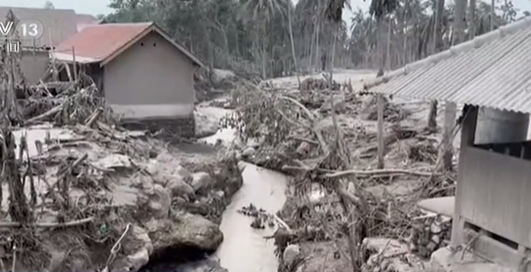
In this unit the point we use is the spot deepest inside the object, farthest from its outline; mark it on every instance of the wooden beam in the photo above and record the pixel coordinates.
(468, 132)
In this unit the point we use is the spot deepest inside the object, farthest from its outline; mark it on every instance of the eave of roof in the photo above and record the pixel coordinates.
(491, 70)
(153, 27)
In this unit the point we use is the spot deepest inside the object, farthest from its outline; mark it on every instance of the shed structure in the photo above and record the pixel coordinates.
(493, 198)
(146, 77)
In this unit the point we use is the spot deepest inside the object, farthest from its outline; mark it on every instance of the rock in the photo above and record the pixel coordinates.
(141, 236)
(165, 157)
(138, 248)
(249, 151)
(179, 188)
(291, 256)
(201, 180)
(187, 230)
(183, 172)
(138, 259)
(201, 266)
(220, 194)
(160, 203)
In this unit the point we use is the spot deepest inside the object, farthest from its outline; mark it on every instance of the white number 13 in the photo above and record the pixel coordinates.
(31, 30)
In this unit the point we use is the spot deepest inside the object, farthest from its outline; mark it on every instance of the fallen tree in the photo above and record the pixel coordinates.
(311, 145)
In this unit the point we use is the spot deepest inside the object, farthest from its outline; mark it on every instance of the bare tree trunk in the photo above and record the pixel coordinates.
(471, 20)
(317, 49)
(293, 45)
(380, 100)
(437, 46)
(388, 59)
(492, 14)
(331, 66)
(446, 152)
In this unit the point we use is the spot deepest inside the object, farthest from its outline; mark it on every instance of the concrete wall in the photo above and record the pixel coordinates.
(150, 80)
(34, 65)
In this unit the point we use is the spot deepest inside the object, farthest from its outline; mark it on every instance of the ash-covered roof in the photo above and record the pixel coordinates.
(492, 70)
(101, 43)
(58, 24)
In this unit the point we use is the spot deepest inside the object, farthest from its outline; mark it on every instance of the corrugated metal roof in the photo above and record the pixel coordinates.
(58, 24)
(98, 42)
(496, 74)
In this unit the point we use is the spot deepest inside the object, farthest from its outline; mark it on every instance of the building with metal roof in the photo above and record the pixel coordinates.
(492, 70)
(490, 214)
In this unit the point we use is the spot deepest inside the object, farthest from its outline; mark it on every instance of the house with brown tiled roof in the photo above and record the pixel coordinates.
(145, 75)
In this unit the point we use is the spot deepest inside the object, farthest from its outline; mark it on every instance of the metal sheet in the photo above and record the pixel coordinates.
(496, 75)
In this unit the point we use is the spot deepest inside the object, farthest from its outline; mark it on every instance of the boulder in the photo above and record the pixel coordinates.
(179, 188)
(201, 180)
(160, 202)
(183, 172)
(200, 266)
(249, 151)
(138, 247)
(186, 230)
(292, 256)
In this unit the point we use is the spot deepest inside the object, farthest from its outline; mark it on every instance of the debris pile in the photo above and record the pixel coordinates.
(79, 193)
(392, 113)
(430, 235)
(327, 141)
(261, 217)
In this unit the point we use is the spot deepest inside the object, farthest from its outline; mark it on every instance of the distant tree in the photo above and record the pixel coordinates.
(49, 5)
(100, 16)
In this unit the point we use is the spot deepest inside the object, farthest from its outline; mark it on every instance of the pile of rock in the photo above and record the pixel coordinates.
(127, 187)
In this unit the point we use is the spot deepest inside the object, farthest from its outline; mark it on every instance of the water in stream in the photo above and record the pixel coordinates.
(244, 249)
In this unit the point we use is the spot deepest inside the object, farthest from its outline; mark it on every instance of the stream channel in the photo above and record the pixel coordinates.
(244, 249)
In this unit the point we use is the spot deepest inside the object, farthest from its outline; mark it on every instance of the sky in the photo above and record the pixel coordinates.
(96, 7)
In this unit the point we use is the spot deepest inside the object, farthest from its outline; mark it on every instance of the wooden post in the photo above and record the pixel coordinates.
(74, 64)
(468, 132)
(380, 130)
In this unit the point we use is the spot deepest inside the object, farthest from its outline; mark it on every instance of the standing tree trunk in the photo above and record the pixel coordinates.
(293, 45)
(380, 99)
(317, 49)
(471, 20)
(437, 47)
(446, 151)
(492, 14)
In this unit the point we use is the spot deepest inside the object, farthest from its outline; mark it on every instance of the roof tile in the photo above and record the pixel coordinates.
(100, 41)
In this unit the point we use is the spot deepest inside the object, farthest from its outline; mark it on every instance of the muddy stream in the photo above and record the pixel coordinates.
(244, 249)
